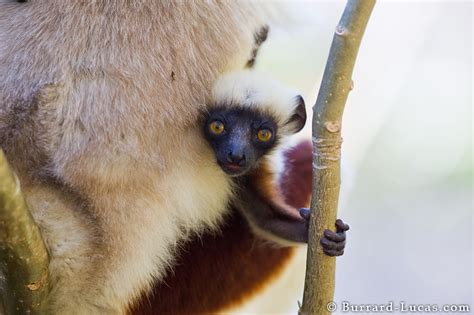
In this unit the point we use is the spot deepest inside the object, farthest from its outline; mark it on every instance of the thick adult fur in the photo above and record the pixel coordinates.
(98, 103)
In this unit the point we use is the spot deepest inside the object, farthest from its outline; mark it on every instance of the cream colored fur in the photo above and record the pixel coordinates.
(258, 91)
(99, 103)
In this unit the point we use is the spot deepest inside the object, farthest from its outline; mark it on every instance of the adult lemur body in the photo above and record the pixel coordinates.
(98, 107)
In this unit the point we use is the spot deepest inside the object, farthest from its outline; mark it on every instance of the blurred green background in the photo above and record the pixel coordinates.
(407, 152)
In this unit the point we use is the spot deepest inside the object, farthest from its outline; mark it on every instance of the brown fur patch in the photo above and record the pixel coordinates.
(217, 271)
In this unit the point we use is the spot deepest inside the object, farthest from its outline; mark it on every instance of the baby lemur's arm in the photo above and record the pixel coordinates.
(268, 218)
(261, 202)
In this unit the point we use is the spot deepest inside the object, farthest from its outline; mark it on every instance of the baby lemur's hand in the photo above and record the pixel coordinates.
(333, 243)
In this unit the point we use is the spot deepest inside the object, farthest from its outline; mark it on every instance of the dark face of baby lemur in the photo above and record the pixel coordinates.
(239, 137)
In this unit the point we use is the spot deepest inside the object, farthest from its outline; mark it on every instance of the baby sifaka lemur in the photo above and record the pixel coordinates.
(248, 118)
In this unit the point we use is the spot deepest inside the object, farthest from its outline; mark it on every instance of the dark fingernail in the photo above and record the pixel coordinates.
(304, 212)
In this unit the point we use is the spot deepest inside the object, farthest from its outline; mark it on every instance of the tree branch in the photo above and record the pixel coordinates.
(327, 117)
(23, 256)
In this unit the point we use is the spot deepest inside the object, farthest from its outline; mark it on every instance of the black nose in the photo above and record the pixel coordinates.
(236, 158)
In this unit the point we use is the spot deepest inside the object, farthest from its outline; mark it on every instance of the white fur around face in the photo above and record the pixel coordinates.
(254, 90)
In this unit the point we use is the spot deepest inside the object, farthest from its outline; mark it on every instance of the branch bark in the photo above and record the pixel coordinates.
(327, 117)
(23, 256)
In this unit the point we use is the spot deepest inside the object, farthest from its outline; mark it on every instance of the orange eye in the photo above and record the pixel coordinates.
(216, 127)
(264, 135)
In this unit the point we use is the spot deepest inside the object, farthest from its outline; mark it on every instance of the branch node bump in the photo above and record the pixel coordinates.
(333, 126)
(341, 30)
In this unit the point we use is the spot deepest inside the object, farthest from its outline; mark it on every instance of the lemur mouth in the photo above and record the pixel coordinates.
(234, 169)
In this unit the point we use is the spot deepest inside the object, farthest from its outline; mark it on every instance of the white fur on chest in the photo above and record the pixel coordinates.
(138, 234)
(143, 244)
(199, 193)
